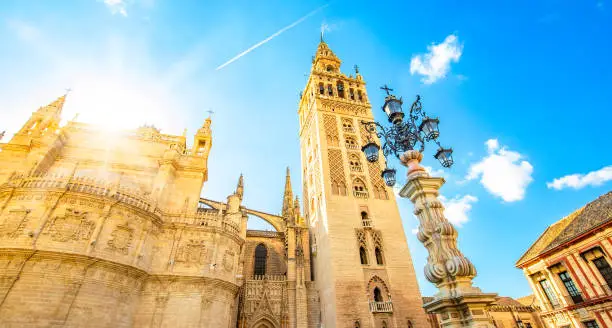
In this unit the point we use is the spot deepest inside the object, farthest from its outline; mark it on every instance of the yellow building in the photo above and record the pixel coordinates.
(102, 229)
(568, 268)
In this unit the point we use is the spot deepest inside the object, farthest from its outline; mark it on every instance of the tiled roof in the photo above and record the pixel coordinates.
(526, 300)
(506, 301)
(585, 219)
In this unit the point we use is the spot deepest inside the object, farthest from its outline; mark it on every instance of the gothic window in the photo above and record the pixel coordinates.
(340, 87)
(351, 143)
(363, 255)
(321, 89)
(591, 324)
(261, 254)
(377, 295)
(359, 95)
(379, 257)
(571, 287)
(384, 324)
(549, 292)
(347, 126)
(330, 90)
(352, 94)
(359, 189)
(365, 219)
(410, 324)
(355, 163)
(357, 325)
(604, 269)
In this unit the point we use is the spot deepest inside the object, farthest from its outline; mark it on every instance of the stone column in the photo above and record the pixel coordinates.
(458, 302)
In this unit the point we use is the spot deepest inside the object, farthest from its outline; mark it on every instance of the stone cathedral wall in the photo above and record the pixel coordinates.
(74, 253)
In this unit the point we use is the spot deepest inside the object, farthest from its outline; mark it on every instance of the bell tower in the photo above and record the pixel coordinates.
(362, 266)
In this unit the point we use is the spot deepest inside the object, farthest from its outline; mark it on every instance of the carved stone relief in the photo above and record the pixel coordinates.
(121, 238)
(14, 223)
(192, 252)
(73, 226)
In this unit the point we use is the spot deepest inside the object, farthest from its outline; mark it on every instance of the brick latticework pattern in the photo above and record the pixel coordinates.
(336, 169)
(379, 188)
(331, 130)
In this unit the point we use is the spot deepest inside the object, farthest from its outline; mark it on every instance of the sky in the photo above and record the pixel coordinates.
(522, 90)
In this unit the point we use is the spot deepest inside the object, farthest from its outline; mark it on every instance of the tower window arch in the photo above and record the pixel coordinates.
(352, 94)
(330, 90)
(347, 126)
(377, 295)
(261, 255)
(355, 163)
(321, 88)
(359, 95)
(359, 189)
(340, 87)
(363, 255)
(379, 256)
(350, 143)
(329, 68)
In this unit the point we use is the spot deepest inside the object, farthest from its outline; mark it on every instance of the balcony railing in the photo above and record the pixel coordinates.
(366, 223)
(378, 307)
(360, 194)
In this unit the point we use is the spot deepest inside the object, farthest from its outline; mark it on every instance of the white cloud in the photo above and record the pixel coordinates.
(435, 172)
(415, 230)
(116, 7)
(456, 209)
(502, 172)
(578, 181)
(435, 64)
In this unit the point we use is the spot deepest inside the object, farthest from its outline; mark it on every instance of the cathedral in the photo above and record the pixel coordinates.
(102, 229)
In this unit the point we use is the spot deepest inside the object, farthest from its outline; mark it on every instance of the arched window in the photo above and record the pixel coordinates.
(330, 90)
(355, 164)
(377, 295)
(340, 87)
(261, 254)
(359, 189)
(357, 325)
(363, 255)
(379, 257)
(347, 126)
(365, 219)
(359, 95)
(321, 89)
(350, 143)
(352, 94)
(384, 324)
(329, 68)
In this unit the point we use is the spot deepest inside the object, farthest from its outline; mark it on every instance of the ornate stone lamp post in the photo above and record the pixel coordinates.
(458, 302)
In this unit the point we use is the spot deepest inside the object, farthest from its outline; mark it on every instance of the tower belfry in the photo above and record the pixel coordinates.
(362, 268)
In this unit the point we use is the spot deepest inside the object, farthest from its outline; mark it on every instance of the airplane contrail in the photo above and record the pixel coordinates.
(279, 32)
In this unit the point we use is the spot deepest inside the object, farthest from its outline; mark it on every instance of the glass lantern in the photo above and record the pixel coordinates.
(393, 109)
(445, 156)
(429, 127)
(389, 176)
(371, 151)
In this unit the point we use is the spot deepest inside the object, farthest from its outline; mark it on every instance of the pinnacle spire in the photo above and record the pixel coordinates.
(287, 196)
(240, 186)
(54, 108)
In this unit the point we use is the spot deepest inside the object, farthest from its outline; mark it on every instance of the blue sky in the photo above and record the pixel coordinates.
(522, 88)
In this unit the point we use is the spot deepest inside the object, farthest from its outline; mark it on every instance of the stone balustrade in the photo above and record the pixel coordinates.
(386, 307)
(202, 217)
(270, 277)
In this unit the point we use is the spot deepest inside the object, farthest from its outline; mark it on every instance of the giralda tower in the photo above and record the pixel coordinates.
(362, 266)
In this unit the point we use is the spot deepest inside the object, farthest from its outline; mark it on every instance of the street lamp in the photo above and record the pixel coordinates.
(404, 135)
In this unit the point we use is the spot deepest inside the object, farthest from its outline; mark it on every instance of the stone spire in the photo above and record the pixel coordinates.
(240, 187)
(325, 58)
(287, 196)
(54, 108)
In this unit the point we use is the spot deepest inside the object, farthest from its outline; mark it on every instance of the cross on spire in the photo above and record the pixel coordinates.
(356, 69)
(387, 89)
(210, 112)
(67, 91)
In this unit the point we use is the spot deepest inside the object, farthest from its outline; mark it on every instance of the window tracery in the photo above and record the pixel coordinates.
(359, 188)
(355, 163)
(351, 143)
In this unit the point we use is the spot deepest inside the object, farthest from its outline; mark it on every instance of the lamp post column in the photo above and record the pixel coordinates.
(458, 303)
